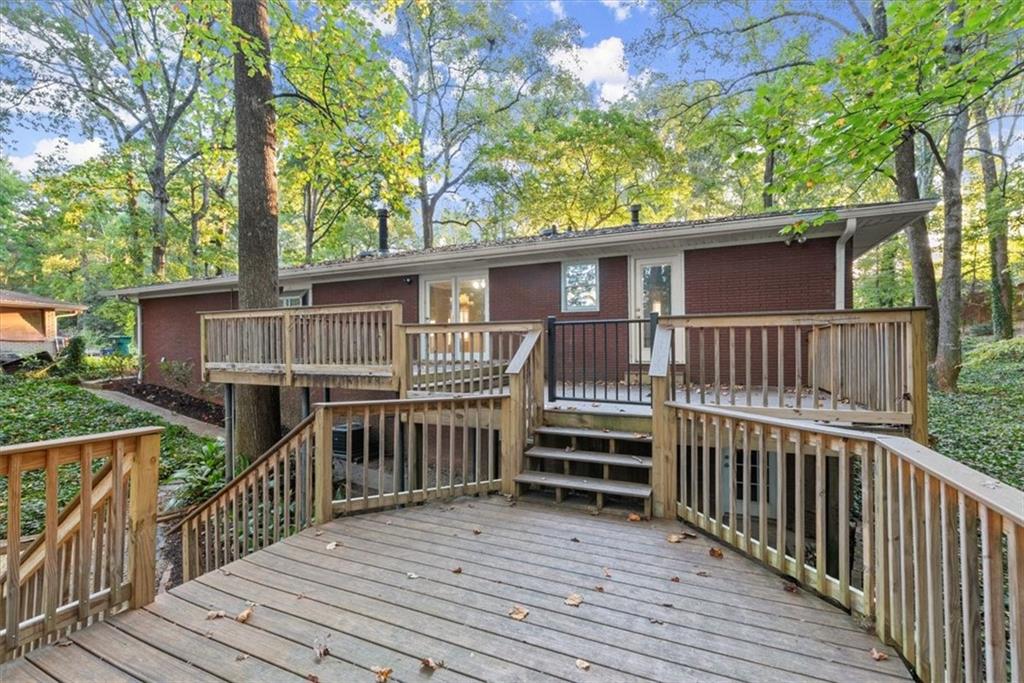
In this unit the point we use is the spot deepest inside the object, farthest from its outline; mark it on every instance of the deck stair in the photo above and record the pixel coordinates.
(605, 462)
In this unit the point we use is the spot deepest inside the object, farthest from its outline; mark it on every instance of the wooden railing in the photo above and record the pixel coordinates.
(929, 549)
(851, 366)
(270, 500)
(463, 358)
(75, 572)
(353, 345)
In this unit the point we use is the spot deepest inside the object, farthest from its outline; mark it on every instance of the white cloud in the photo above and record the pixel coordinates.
(603, 64)
(620, 8)
(557, 8)
(73, 153)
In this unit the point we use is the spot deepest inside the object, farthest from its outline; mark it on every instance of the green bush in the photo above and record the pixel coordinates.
(72, 360)
(980, 330)
(1002, 351)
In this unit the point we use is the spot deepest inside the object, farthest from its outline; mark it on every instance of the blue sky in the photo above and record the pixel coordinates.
(607, 26)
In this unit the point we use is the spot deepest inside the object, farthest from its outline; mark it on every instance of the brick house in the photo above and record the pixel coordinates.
(736, 264)
(28, 323)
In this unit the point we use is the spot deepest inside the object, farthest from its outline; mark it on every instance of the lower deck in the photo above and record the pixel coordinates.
(387, 590)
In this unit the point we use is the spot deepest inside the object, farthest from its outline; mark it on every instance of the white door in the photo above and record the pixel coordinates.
(657, 288)
(457, 299)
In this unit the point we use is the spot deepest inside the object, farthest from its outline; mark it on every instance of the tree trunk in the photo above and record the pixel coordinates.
(158, 183)
(948, 357)
(426, 213)
(258, 414)
(769, 177)
(1001, 285)
(309, 201)
(921, 264)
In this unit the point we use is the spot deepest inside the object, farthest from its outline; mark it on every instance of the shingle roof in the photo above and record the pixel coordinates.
(24, 299)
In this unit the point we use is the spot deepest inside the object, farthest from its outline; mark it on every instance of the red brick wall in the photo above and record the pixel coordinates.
(170, 330)
(376, 289)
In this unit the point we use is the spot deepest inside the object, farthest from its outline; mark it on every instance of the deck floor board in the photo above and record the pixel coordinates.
(386, 596)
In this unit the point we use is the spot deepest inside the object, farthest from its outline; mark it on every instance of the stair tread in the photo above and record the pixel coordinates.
(569, 481)
(594, 433)
(621, 459)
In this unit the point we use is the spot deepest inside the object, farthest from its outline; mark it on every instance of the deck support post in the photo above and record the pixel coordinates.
(142, 519)
(918, 378)
(229, 431)
(513, 441)
(323, 465)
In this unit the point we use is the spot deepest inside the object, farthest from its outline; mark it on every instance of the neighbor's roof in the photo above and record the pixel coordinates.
(12, 299)
(875, 223)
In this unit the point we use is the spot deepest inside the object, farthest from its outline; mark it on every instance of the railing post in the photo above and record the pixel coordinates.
(537, 375)
(513, 417)
(323, 461)
(551, 358)
(286, 326)
(663, 424)
(918, 378)
(142, 519)
(400, 354)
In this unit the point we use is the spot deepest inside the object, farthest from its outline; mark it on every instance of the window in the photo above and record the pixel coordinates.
(457, 299)
(580, 286)
(292, 299)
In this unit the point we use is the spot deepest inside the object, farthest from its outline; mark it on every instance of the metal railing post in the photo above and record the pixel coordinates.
(550, 349)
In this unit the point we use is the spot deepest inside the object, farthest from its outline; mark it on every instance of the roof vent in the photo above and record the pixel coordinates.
(634, 214)
(382, 230)
(549, 232)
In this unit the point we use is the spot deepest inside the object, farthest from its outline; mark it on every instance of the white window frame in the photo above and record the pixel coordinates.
(566, 308)
(301, 294)
(454, 279)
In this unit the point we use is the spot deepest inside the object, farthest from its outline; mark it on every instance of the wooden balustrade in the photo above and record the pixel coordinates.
(853, 366)
(74, 572)
(352, 345)
(462, 358)
(269, 500)
(929, 549)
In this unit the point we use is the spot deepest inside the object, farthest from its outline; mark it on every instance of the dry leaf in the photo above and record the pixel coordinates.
(312, 678)
(716, 553)
(633, 517)
(431, 664)
(318, 532)
(674, 538)
(383, 673)
(457, 570)
(790, 587)
(244, 615)
(63, 642)
(582, 665)
(878, 656)
(574, 539)
(216, 614)
(412, 575)
(574, 600)
(320, 649)
(518, 612)
(599, 589)
(476, 532)
(607, 573)
(703, 573)
(241, 657)
(687, 534)
(655, 621)
(674, 579)
(332, 545)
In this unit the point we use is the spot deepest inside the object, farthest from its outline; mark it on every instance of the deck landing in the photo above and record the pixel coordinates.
(387, 596)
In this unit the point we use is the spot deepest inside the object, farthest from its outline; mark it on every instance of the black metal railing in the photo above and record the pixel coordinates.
(602, 361)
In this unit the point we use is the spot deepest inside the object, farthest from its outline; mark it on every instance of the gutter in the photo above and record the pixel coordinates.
(848, 232)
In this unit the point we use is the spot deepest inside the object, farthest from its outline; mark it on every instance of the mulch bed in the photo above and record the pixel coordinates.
(165, 397)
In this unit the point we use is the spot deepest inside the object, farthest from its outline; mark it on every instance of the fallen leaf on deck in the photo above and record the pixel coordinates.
(574, 600)
(320, 649)
(582, 665)
(716, 553)
(216, 614)
(244, 615)
(312, 678)
(300, 596)
(318, 532)
(674, 538)
(703, 573)
(607, 573)
(599, 589)
(63, 642)
(518, 613)
(574, 539)
(476, 532)
(457, 570)
(878, 656)
(790, 587)
(241, 657)
(687, 534)
(633, 517)
(655, 621)
(332, 545)
(383, 673)
(674, 579)
(431, 664)
(412, 575)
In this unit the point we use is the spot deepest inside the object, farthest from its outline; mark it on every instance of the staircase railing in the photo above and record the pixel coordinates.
(931, 550)
(75, 572)
(271, 499)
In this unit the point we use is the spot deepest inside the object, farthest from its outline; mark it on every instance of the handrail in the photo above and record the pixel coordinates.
(84, 565)
(515, 366)
(318, 308)
(940, 567)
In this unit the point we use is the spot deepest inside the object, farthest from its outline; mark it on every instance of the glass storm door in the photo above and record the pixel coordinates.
(460, 299)
(657, 288)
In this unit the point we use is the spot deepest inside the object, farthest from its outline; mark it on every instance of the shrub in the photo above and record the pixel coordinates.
(178, 373)
(1002, 351)
(980, 330)
(72, 360)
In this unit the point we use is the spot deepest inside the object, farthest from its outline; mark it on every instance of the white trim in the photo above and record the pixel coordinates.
(851, 228)
(565, 308)
(454, 279)
(638, 353)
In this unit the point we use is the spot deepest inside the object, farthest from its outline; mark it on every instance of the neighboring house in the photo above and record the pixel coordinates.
(723, 265)
(28, 324)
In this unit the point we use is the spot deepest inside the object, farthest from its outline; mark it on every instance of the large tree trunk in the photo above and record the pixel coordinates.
(767, 199)
(158, 183)
(258, 418)
(426, 213)
(309, 201)
(921, 264)
(948, 357)
(1001, 285)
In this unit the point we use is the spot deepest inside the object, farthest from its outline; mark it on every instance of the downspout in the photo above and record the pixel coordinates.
(851, 228)
(138, 337)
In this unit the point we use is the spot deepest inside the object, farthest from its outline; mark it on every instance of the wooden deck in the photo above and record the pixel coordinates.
(438, 581)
